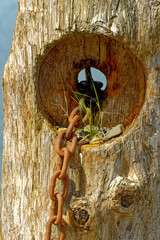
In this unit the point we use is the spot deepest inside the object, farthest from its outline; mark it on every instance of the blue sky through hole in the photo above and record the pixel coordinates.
(97, 75)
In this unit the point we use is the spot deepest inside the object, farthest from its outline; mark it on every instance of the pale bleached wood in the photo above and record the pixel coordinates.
(104, 178)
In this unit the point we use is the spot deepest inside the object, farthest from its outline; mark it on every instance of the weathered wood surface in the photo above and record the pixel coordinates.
(59, 70)
(117, 183)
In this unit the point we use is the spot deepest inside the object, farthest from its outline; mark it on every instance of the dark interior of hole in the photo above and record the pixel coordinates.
(91, 84)
(97, 75)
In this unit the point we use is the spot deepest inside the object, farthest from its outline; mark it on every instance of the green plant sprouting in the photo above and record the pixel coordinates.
(95, 118)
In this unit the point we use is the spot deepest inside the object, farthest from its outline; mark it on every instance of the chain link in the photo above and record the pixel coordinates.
(61, 172)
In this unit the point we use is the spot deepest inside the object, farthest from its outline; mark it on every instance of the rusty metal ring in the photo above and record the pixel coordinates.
(64, 163)
(49, 225)
(87, 115)
(58, 144)
(74, 142)
(73, 113)
(71, 126)
(59, 163)
(59, 209)
(53, 208)
(53, 184)
(58, 149)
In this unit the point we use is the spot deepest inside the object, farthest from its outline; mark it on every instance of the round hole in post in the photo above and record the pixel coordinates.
(58, 73)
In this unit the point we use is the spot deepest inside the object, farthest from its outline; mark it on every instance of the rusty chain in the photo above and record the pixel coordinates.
(56, 216)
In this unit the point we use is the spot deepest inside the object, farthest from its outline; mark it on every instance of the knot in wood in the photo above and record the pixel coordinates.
(126, 201)
(81, 216)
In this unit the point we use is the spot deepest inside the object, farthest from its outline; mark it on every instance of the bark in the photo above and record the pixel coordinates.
(116, 183)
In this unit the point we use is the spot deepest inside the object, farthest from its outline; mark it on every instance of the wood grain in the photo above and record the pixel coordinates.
(117, 183)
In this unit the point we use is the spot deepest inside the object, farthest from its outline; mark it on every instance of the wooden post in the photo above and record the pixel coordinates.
(114, 188)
